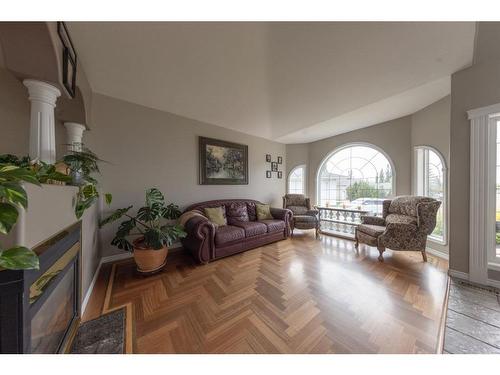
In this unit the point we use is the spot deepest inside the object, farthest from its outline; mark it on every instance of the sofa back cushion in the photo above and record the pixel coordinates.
(407, 204)
(295, 200)
(216, 215)
(236, 212)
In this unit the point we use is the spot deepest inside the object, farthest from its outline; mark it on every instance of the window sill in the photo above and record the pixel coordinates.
(437, 241)
(494, 265)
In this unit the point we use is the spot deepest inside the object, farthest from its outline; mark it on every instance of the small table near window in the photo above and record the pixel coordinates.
(339, 222)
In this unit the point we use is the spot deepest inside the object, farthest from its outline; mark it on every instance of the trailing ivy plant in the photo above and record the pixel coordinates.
(15, 171)
(12, 197)
(148, 225)
(83, 165)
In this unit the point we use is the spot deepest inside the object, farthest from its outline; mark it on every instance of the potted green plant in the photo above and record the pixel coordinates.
(152, 228)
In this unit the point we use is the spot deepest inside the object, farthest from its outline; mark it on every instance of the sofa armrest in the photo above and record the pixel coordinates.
(372, 220)
(400, 236)
(200, 239)
(285, 215)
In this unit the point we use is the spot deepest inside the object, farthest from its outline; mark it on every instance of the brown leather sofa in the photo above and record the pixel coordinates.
(208, 242)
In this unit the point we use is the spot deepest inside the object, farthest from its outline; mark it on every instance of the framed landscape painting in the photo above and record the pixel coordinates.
(222, 163)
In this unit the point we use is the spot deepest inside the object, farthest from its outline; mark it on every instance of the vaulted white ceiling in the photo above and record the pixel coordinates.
(291, 82)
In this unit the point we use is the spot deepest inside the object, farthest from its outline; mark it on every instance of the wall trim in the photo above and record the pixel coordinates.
(439, 254)
(482, 192)
(91, 287)
(483, 111)
(465, 276)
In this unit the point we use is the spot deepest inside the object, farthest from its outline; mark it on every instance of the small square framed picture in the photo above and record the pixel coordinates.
(268, 158)
(274, 166)
(280, 174)
(280, 160)
(268, 174)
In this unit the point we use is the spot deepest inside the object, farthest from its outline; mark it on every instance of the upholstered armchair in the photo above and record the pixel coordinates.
(304, 217)
(405, 224)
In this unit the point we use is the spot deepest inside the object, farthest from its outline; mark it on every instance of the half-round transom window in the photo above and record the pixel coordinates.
(355, 177)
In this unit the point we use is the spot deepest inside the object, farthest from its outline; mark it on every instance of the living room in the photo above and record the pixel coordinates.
(257, 187)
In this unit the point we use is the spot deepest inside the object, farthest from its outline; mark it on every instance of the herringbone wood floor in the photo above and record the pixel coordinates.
(300, 295)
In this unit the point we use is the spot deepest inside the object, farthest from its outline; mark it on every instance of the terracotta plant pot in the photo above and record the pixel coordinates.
(149, 260)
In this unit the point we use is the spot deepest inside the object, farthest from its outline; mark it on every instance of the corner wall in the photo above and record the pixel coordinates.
(151, 148)
(393, 137)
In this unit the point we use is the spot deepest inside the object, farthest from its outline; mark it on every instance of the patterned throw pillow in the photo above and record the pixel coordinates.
(252, 212)
(263, 212)
(236, 212)
(216, 215)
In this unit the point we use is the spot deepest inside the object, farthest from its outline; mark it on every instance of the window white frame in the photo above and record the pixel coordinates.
(304, 178)
(348, 145)
(482, 246)
(422, 168)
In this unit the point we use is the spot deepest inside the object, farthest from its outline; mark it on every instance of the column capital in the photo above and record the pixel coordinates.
(42, 91)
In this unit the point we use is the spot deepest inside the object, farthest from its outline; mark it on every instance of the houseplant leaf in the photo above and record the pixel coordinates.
(19, 258)
(8, 217)
(13, 192)
(154, 197)
(14, 173)
(114, 216)
(108, 198)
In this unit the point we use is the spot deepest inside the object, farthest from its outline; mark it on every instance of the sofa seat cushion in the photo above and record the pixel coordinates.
(252, 228)
(273, 225)
(401, 219)
(298, 210)
(228, 233)
(305, 218)
(371, 230)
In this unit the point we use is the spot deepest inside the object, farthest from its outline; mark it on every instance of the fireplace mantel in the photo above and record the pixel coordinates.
(50, 210)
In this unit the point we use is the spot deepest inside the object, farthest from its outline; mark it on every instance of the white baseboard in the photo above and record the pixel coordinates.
(437, 253)
(465, 276)
(114, 258)
(91, 287)
(458, 274)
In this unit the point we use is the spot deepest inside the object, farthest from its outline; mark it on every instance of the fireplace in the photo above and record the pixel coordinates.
(40, 309)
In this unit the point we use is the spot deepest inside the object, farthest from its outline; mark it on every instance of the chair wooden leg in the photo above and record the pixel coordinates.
(424, 255)
(317, 232)
(356, 244)
(381, 251)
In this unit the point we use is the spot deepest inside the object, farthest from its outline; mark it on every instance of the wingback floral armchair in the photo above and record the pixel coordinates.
(304, 217)
(405, 224)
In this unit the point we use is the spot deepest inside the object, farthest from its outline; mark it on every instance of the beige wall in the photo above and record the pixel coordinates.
(431, 127)
(475, 87)
(150, 148)
(393, 137)
(14, 115)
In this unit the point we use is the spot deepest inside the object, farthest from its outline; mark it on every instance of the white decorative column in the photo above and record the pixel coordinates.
(43, 98)
(482, 191)
(74, 135)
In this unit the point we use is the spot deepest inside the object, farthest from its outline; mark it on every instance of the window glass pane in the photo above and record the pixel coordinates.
(296, 181)
(430, 182)
(357, 177)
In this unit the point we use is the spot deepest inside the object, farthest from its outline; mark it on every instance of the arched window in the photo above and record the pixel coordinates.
(430, 181)
(357, 177)
(297, 180)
